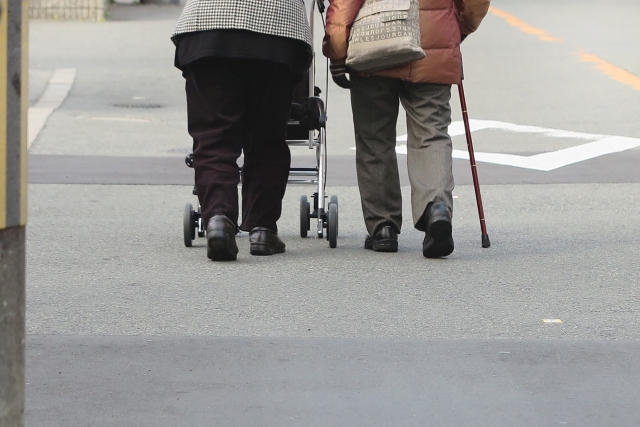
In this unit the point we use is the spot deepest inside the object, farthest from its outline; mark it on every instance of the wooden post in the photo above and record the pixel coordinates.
(13, 207)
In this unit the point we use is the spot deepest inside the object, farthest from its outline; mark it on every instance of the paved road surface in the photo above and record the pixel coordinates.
(126, 326)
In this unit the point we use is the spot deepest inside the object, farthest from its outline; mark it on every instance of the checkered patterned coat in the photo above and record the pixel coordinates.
(285, 18)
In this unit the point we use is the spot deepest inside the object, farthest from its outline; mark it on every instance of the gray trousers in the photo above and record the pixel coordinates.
(375, 104)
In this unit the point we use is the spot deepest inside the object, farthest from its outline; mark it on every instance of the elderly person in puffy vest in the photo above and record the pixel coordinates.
(241, 61)
(424, 88)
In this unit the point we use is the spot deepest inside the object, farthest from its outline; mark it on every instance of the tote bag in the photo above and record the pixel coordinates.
(385, 33)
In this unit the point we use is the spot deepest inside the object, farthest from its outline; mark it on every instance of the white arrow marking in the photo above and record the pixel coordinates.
(599, 146)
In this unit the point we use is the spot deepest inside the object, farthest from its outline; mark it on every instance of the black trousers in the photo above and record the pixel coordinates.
(235, 106)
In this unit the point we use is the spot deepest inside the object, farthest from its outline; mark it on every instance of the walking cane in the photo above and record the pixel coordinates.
(476, 184)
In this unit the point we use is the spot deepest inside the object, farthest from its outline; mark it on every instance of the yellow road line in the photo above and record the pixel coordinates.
(523, 26)
(615, 73)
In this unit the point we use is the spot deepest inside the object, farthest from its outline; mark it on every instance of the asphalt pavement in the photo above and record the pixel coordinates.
(126, 326)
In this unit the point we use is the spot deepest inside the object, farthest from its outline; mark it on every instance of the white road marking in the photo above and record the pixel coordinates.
(55, 94)
(117, 119)
(600, 145)
(457, 128)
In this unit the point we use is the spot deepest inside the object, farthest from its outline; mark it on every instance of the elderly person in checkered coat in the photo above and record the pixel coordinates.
(241, 60)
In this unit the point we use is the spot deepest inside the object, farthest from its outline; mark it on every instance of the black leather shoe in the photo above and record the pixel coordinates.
(438, 241)
(221, 239)
(264, 241)
(385, 240)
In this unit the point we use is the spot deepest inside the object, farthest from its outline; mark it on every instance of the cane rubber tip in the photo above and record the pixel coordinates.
(485, 241)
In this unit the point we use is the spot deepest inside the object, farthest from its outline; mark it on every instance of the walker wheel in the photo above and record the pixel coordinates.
(197, 223)
(334, 201)
(305, 218)
(188, 225)
(189, 160)
(332, 225)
